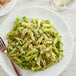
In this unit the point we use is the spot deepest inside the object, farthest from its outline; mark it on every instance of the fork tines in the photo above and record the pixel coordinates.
(2, 45)
(2, 42)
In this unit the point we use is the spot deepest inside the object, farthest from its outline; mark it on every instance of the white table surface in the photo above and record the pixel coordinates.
(69, 15)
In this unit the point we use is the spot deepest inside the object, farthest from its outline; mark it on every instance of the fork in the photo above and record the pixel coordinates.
(3, 50)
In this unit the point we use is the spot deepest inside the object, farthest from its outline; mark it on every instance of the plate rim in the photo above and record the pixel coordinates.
(6, 12)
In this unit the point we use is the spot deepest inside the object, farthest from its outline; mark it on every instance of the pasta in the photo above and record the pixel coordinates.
(34, 44)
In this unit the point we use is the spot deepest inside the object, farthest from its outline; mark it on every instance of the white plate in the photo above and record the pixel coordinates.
(7, 7)
(60, 25)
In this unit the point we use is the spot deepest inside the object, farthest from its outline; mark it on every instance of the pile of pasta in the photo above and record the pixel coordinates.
(34, 44)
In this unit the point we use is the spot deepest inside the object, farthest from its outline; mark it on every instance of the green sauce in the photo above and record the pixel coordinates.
(34, 44)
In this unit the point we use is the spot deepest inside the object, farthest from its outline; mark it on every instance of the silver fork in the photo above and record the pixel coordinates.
(2, 49)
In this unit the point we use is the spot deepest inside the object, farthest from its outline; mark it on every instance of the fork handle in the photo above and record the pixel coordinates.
(17, 70)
